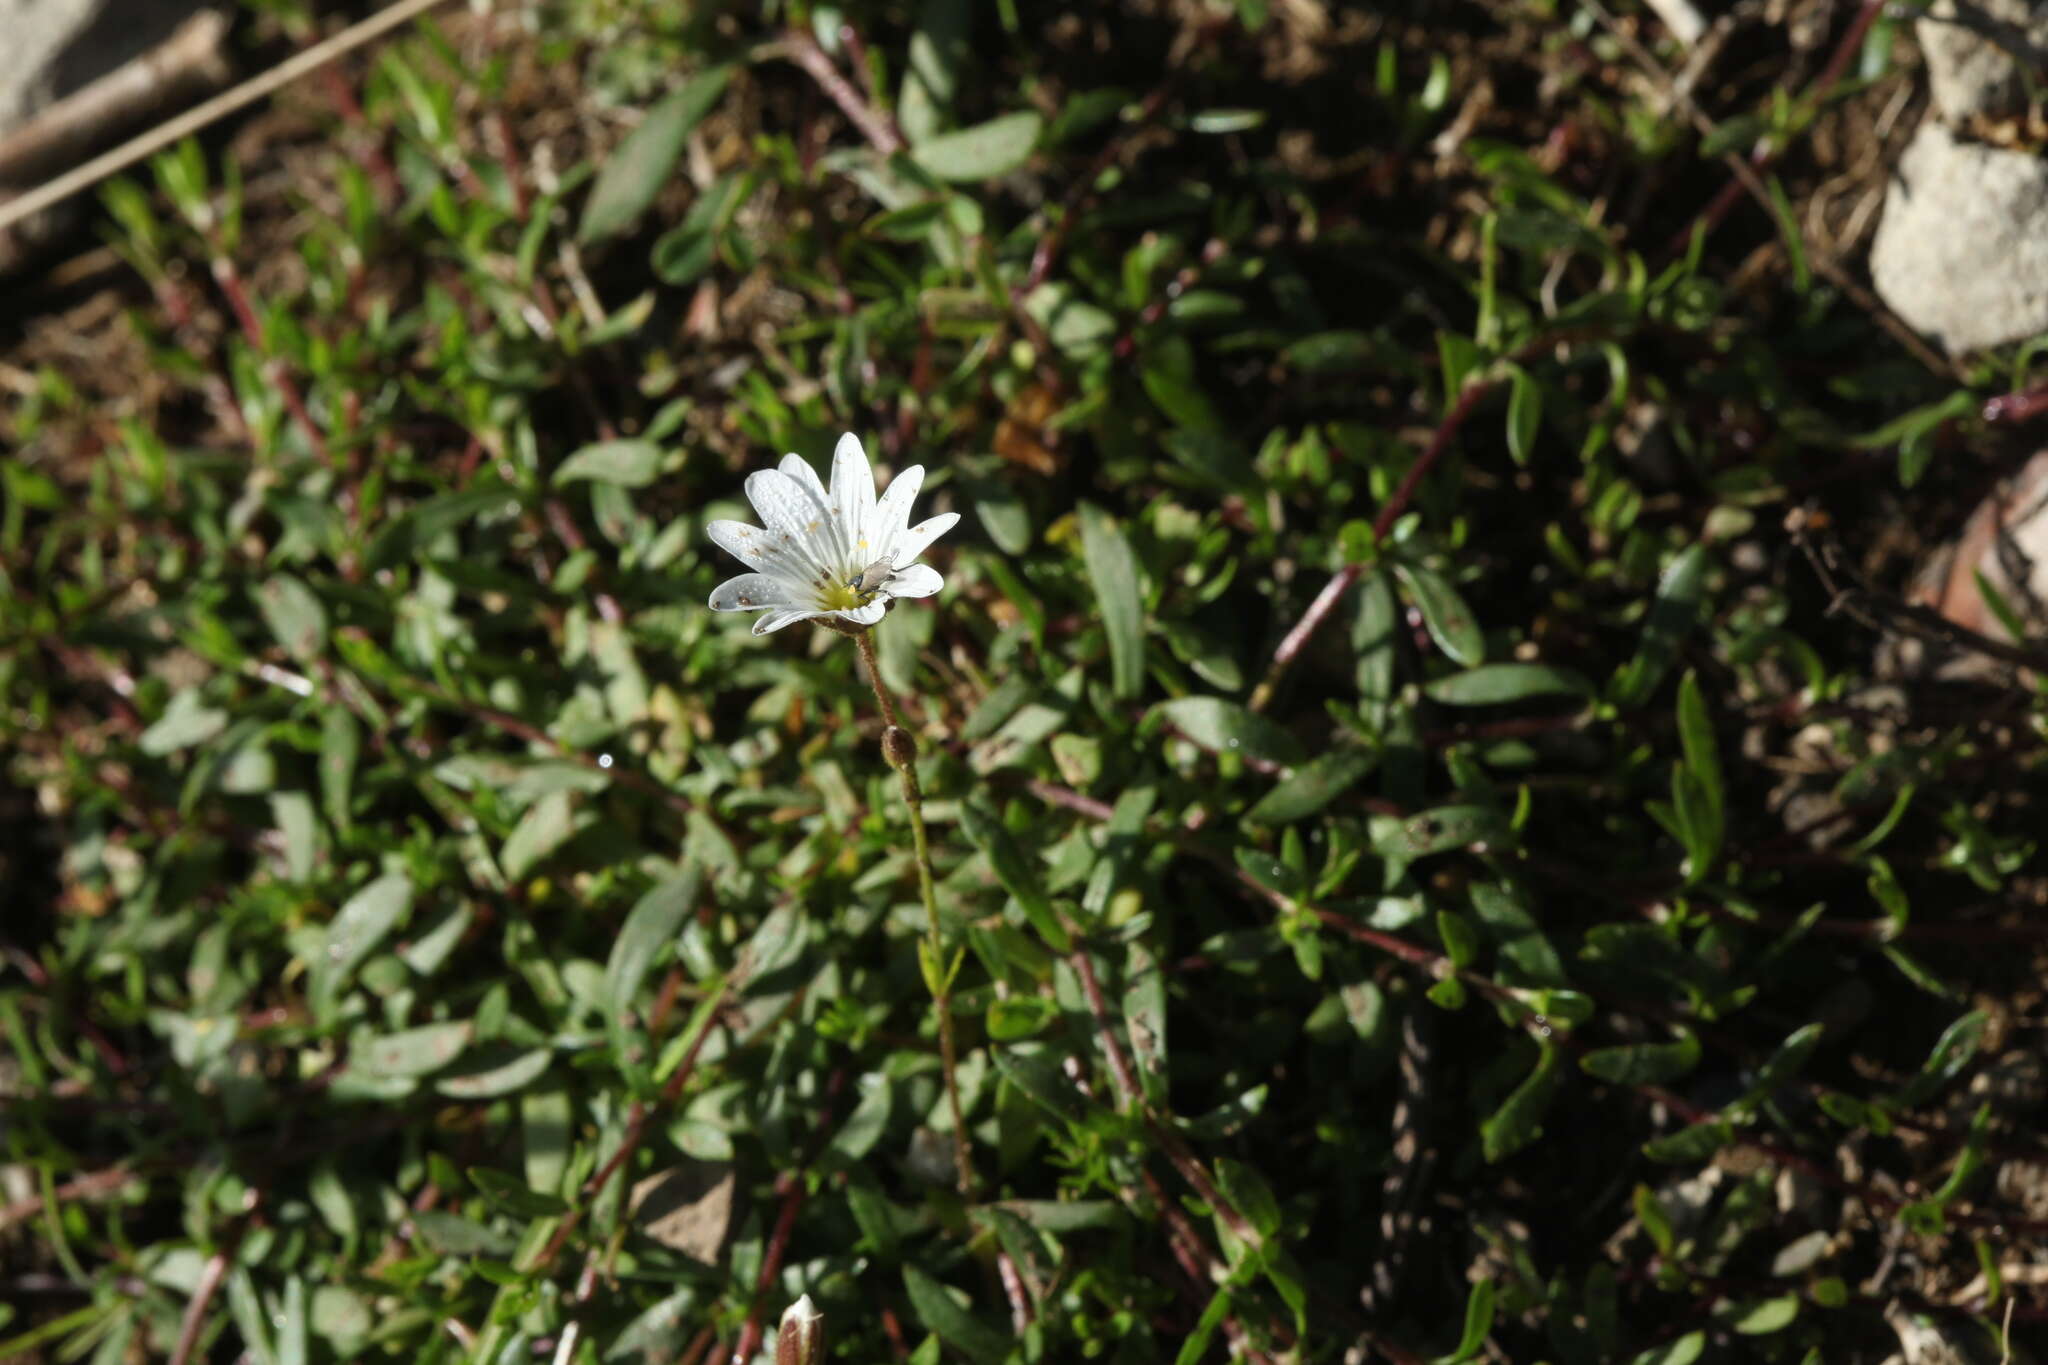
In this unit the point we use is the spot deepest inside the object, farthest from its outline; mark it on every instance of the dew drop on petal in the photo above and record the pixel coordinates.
(604, 760)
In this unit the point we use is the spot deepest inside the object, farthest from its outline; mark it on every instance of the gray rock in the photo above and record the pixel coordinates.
(48, 48)
(1962, 252)
(1982, 56)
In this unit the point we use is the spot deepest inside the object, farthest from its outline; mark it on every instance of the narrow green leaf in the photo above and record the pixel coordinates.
(651, 925)
(1444, 612)
(935, 1307)
(356, 931)
(1672, 617)
(1683, 1351)
(635, 172)
(1314, 785)
(1478, 1322)
(1015, 871)
(414, 1051)
(1494, 684)
(1227, 727)
(294, 614)
(982, 152)
(628, 463)
(1525, 415)
(1113, 569)
(341, 744)
(1519, 1120)
(1692, 1144)
(1643, 1063)
(514, 1196)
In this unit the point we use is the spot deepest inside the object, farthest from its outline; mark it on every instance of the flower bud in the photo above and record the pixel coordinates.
(899, 747)
(800, 1340)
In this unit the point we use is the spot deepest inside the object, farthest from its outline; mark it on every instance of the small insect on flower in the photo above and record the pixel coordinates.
(838, 552)
(869, 581)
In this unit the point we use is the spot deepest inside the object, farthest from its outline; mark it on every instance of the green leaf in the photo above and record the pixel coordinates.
(185, 722)
(1444, 612)
(650, 926)
(493, 1070)
(1314, 785)
(1444, 828)
(1525, 415)
(1020, 1016)
(1683, 1351)
(984, 151)
(294, 614)
(1643, 1063)
(360, 926)
(1952, 1052)
(341, 744)
(682, 254)
(628, 463)
(1519, 1120)
(512, 1195)
(1461, 942)
(1478, 1322)
(1784, 1064)
(1762, 1318)
(1227, 727)
(636, 171)
(415, 1051)
(1692, 1144)
(1672, 617)
(1015, 871)
(1113, 569)
(547, 825)
(935, 1307)
(1494, 684)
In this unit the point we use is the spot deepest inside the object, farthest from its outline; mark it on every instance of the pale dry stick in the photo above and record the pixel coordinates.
(878, 128)
(188, 62)
(148, 144)
(901, 751)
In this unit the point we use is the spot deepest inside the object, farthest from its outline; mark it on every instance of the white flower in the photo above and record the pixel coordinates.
(816, 553)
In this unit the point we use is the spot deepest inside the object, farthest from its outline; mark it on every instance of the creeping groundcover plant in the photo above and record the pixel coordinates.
(840, 556)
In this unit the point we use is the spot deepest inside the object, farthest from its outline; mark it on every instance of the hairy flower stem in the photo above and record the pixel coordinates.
(901, 751)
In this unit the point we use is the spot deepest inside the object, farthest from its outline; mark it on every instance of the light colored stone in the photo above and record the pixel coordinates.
(49, 48)
(1962, 253)
(1981, 54)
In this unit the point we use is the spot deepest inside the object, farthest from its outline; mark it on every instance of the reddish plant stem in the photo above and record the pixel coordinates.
(1438, 967)
(790, 1187)
(1296, 640)
(878, 128)
(210, 1277)
(231, 287)
(1763, 155)
(636, 1128)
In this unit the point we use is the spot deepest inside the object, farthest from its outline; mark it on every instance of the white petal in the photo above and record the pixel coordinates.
(752, 592)
(795, 524)
(919, 580)
(892, 513)
(753, 547)
(853, 499)
(799, 469)
(867, 615)
(776, 620)
(919, 538)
